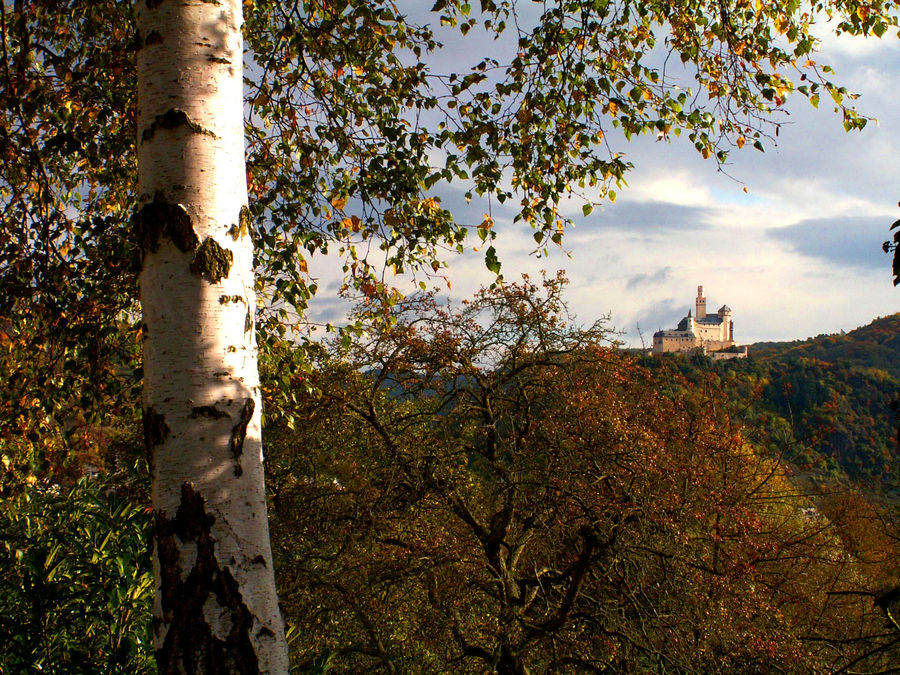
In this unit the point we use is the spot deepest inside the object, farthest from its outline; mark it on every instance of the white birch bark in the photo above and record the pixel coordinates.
(216, 609)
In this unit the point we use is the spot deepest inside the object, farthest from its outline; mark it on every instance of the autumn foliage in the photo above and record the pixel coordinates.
(487, 488)
(496, 490)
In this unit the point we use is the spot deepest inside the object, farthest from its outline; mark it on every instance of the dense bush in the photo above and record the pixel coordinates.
(76, 586)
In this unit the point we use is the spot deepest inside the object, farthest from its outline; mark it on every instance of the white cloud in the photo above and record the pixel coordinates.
(854, 46)
(664, 184)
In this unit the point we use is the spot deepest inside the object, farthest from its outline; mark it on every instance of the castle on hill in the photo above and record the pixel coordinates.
(710, 334)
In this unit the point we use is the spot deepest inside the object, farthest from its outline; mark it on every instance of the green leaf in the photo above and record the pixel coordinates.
(491, 261)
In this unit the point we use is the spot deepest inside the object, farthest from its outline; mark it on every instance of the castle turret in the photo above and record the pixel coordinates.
(727, 323)
(701, 303)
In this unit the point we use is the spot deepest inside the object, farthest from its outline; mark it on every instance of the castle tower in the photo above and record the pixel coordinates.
(727, 323)
(701, 303)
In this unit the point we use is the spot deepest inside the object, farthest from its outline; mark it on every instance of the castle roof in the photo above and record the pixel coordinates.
(724, 308)
(675, 333)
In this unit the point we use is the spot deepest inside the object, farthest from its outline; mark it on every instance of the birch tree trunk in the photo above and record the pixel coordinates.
(216, 609)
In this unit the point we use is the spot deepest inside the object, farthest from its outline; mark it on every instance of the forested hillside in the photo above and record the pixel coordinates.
(491, 488)
(486, 489)
(876, 345)
(827, 405)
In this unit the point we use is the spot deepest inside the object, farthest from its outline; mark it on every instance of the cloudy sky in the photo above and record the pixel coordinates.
(797, 255)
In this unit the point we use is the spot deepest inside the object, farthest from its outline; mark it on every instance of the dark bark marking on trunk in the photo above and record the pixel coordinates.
(172, 119)
(243, 226)
(210, 411)
(239, 434)
(155, 431)
(244, 219)
(190, 645)
(153, 4)
(248, 321)
(211, 261)
(160, 219)
(153, 38)
(217, 59)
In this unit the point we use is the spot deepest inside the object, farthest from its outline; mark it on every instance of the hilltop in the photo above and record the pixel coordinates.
(826, 405)
(876, 345)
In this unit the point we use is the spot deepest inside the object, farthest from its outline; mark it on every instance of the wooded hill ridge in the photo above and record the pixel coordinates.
(875, 345)
(828, 403)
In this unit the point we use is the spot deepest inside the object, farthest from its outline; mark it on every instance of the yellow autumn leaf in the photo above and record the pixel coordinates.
(740, 141)
(339, 202)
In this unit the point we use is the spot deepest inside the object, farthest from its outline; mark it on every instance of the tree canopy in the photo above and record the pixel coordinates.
(352, 126)
(498, 489)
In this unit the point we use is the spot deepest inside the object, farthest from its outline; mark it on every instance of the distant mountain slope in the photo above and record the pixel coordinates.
(876, 345)
(836, 393)
(823, 404)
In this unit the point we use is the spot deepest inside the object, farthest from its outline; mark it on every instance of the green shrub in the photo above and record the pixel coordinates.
(76, 582)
